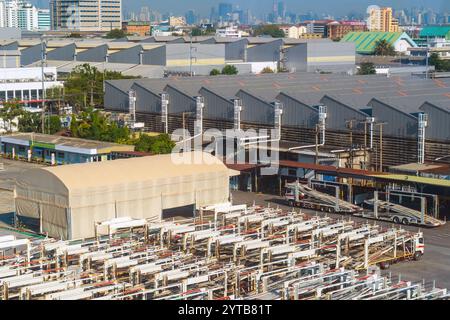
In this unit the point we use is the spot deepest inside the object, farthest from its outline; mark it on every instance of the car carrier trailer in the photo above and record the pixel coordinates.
(392, 212)
(300, 195)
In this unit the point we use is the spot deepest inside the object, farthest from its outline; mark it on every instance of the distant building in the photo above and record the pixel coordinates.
(79, 15)
(59, 150)
(44, 21)
(381, 19)
(141, 28)
(366, 41)
(229, 32)
(18, 14)
(225, 10)
(25, 84)
(338, 29)
(293, 32)
(177, 21)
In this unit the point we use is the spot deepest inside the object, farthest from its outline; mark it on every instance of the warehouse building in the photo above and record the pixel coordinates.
(355, 108)
(67, 201)
(176, 55)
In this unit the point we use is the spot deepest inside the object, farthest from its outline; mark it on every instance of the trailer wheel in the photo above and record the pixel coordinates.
(396, 220)
(384, 265)
(405, 221)
(417, 256)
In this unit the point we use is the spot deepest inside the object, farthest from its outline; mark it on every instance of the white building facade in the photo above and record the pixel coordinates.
(25, 84)
(18, 14)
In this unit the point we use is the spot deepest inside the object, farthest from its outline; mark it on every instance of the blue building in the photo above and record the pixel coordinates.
(58, 150)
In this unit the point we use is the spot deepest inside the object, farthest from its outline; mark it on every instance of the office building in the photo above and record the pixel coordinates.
(225, 10)
(44, 22)
(86, 15)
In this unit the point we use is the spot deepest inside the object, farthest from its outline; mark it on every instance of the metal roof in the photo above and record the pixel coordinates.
(366, 41)
(435, 31)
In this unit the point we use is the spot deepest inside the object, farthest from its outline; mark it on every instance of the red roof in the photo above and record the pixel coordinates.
(320, 168)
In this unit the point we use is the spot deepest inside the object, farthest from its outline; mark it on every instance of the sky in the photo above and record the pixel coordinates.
(335, 7)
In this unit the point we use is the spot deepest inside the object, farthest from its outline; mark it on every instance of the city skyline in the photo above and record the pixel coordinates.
(261, 7)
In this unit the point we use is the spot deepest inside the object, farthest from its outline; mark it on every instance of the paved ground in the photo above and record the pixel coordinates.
(435, 264)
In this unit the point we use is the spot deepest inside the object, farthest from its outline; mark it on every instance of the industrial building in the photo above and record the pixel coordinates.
(151, 57)
(67, 201)
(58, 150)
(399, 119)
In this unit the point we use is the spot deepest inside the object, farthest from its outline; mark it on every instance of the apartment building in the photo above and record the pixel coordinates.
(86, 15)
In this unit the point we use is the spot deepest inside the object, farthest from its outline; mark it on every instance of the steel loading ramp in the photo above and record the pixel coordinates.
(396, 208)
(327, 199)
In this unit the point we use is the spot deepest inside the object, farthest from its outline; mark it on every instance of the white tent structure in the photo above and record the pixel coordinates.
(68, 200)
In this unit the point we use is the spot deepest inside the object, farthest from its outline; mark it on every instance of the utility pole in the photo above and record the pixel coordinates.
(317, 143)
(43, 49)
(350, 127)
(381, 124)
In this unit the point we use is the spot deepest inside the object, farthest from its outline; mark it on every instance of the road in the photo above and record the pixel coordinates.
(434, 266)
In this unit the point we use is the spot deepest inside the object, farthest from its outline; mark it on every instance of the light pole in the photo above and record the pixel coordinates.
(43, 58)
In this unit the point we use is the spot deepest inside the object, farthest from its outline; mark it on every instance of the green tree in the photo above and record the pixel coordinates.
(384, 48)
(439, 64)
(30, 122)
(10, 111)
(214, 72)
(84, 85)
(230, 70)
(267, 70)
(367, 68)
(196, 32)
(269, 30)
(54, 124)
(115, 34)
(161, 144)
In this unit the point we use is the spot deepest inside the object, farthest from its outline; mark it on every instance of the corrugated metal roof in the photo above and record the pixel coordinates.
(366, 41)
(415, 179)
(435, 31)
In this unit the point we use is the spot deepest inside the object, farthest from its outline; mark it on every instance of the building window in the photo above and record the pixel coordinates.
(60, 155)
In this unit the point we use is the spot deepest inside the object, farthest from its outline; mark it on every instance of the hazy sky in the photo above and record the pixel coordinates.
(336, 7)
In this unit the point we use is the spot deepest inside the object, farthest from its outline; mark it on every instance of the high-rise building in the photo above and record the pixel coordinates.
(27, 17)
(44, 22)
(225, 10)
(282, 10)
(86, 15)
(18, 14)
(381, 19)
(2, 14)
(191, 17)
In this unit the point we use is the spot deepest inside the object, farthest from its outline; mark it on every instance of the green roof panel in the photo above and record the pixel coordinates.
(365, 42)
(436, 31)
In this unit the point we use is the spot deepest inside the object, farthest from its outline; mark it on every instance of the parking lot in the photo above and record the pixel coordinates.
(435, 264)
